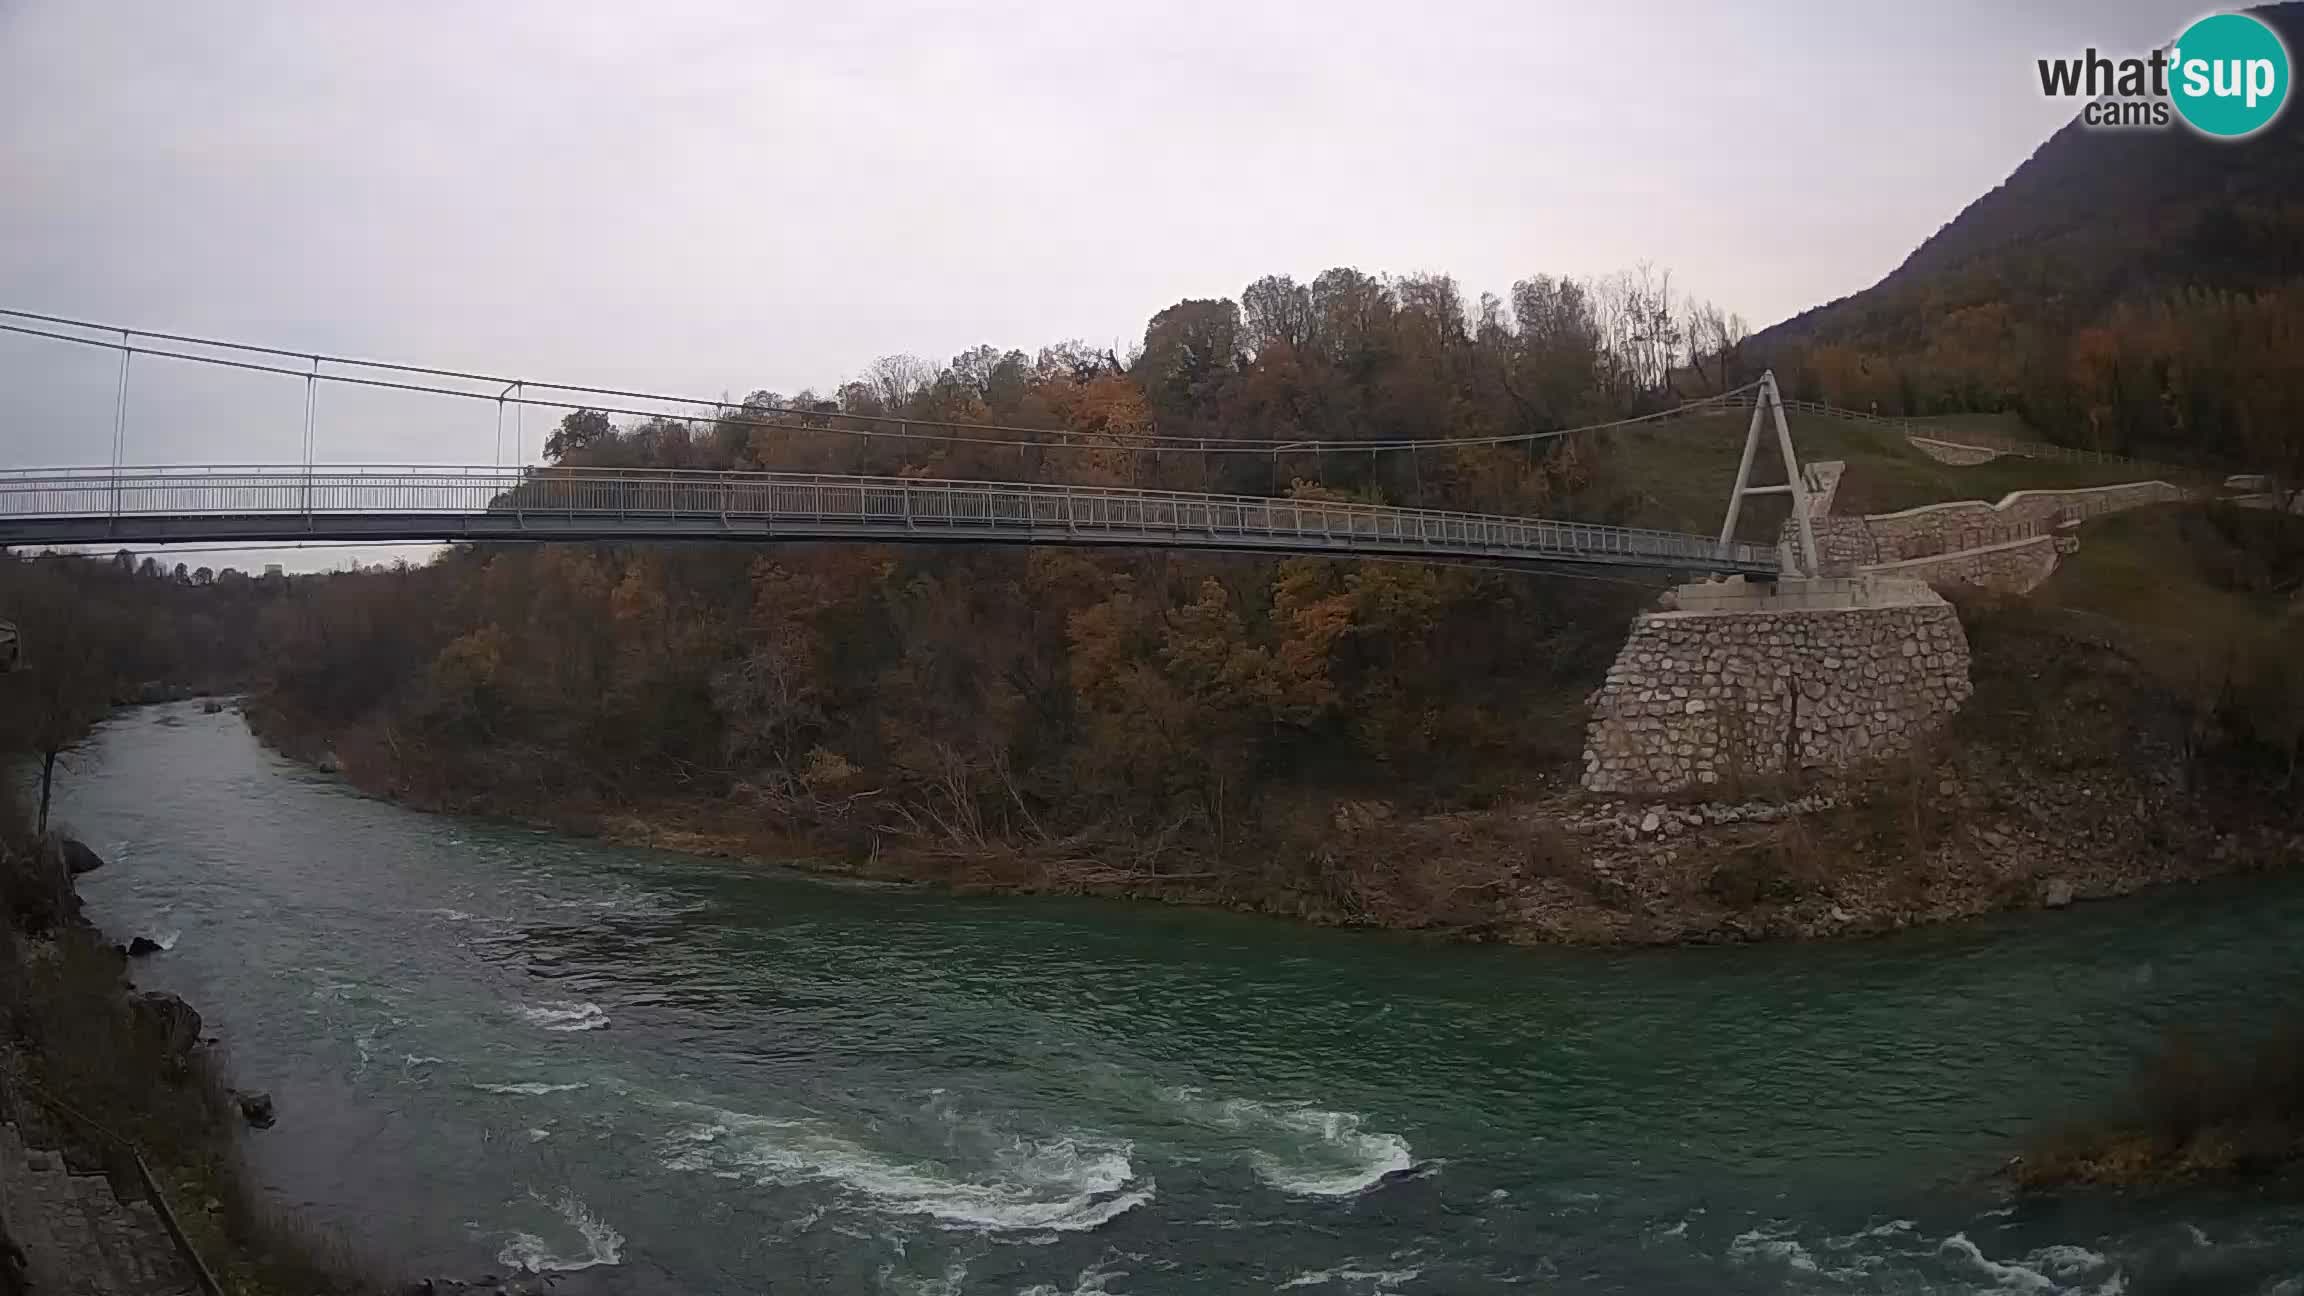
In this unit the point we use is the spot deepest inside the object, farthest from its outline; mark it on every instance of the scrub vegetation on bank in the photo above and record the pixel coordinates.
(85, 1061)
(2201, 1110)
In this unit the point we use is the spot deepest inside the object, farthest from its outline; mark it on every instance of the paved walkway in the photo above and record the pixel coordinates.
(77, 1238)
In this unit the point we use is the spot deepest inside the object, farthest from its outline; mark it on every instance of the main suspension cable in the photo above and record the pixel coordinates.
(776, 417)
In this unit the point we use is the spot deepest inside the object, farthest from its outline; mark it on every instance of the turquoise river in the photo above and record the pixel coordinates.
(496, 1048)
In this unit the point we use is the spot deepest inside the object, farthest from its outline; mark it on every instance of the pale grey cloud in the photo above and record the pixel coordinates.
(715, 195)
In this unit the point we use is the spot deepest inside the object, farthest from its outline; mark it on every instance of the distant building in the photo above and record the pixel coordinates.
(273, 569)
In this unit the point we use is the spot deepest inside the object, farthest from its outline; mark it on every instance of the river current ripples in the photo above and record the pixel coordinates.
(494, 1048)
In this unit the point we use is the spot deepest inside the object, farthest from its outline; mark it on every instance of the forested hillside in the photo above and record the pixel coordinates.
(96, 633)
(1156, 705)
(2136, 291)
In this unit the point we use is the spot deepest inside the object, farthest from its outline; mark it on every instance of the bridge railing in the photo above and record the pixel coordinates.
(547, 498)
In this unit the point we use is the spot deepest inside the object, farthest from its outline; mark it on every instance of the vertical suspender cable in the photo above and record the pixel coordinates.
(311, 396)
(120, 422)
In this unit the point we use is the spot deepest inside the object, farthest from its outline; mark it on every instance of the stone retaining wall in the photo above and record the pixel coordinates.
(1938, 528)
(1849, 542)
(1697, 697)
(1822, 480)
(1843, 542)
(1953, 452)
(2016, 567)
(2275, 500)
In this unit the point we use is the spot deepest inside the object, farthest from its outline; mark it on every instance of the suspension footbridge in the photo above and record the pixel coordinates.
(290, 505)
(122, 503)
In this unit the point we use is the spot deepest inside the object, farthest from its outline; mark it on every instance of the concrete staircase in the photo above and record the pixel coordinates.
(76, 1237)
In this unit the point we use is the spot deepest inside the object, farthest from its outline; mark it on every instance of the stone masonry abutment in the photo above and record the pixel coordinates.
(1742, 680)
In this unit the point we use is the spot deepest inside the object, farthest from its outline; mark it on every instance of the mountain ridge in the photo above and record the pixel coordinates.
(2197, 200)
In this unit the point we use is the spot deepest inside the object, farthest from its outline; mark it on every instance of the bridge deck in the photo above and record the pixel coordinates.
(292, 504)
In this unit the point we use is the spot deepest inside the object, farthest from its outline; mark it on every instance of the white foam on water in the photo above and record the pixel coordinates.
(2015, 1277)
(2192, 1231)
(1777, 1246)
(1370, 1280)
(1068, 1185)
(2062, 1261)
(1323, 1153)
(528, 1088)
(363, 1042)
(602, 1244)
(564, 1015)
(1757, 1245)
(167, 939)
(538, 1135)
(1091, 1281)
(1890, 1229)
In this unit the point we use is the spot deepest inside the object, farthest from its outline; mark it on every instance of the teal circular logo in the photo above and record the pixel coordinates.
(2228, 75)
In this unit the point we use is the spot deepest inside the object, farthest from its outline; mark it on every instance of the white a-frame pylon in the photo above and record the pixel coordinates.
(1766, 402)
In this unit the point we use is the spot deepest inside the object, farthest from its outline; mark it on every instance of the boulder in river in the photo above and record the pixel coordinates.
(168, 1020)
(2057, 894)
(211, 707)
(256, 1108)
(78, 858)
(142, 946)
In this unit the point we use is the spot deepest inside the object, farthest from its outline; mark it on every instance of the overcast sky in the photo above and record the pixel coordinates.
(724, 195)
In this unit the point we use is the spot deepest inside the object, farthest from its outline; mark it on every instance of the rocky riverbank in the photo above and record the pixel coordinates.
(100, 1084)
(2069, 776)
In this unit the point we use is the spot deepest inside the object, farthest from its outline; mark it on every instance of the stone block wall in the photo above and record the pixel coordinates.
(1952, 452)
(1833, 548)
(1697, 697)
(1937, 528)
(1822, 480)
(1842, 542)
(2277, 501)
(2016, 567)
(1849, 542)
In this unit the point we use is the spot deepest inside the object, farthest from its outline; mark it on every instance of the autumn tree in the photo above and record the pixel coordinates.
(68, 647)
(578, 431)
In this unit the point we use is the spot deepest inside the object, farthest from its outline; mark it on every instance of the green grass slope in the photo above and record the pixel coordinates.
(1675, 474)
(2184, 568)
